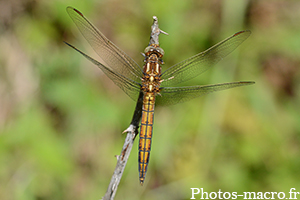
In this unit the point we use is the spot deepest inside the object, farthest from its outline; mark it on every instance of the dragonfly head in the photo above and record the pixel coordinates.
(154, 49)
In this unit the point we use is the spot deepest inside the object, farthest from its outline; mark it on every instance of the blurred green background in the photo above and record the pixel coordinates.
(61, 118)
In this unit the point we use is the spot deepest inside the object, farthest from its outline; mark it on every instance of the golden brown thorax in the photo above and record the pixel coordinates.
(152, 69)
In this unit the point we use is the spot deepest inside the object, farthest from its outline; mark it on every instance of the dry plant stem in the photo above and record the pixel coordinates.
(132, 132)
(121, 163)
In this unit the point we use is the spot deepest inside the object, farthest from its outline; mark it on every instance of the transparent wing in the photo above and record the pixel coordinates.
(130, 87)
(195, 65)
(174, 95)
(114, 58)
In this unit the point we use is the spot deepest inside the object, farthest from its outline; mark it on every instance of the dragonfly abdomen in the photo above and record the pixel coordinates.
(146, 134)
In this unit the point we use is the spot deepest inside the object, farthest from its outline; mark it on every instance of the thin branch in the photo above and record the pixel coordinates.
(121, 163)
(155, 31)
(132, 132)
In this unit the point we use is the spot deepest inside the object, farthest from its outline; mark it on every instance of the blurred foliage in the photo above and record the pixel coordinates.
(61, 119)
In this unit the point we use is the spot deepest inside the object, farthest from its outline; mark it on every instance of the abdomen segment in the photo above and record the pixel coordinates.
(146, 134)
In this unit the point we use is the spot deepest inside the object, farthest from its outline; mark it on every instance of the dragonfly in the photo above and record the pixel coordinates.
(148, 84)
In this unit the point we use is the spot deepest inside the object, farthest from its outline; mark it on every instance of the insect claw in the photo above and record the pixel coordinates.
(145, 57)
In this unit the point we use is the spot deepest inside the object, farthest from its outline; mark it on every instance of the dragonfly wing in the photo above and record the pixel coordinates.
(114, 58)
(174, 95)
(130, 87)
(195, 65)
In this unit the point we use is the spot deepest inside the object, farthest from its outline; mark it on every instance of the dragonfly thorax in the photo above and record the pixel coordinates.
(152, 71)
(151, 83)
